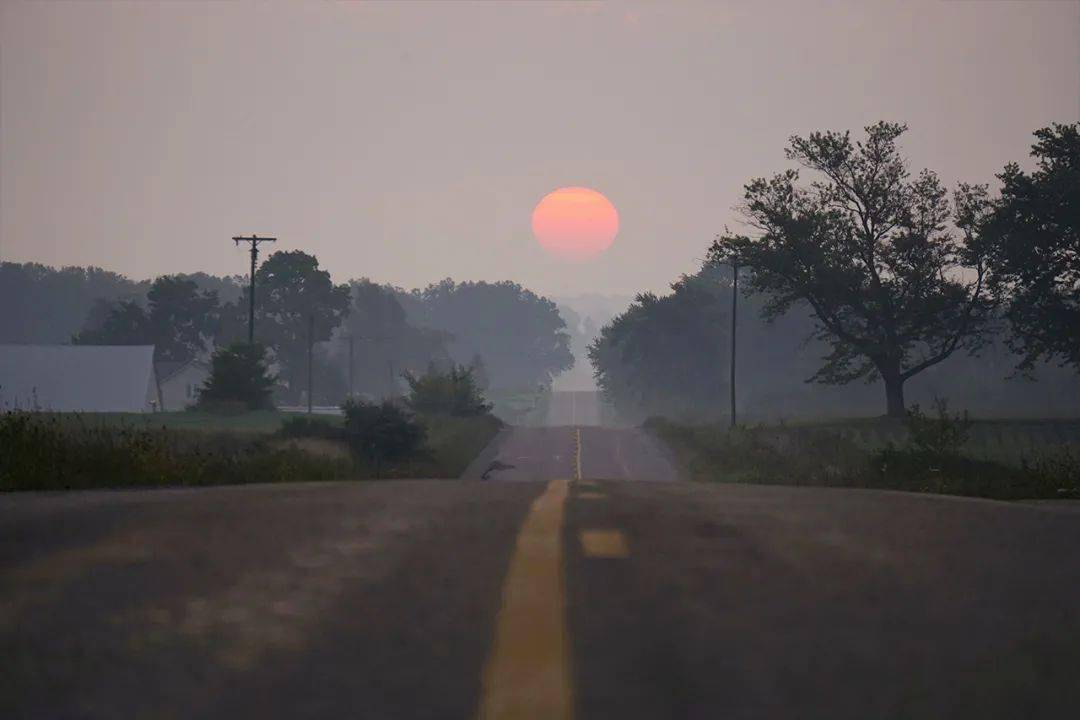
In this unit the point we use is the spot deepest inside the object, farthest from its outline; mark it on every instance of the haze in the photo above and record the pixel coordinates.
(408, 142)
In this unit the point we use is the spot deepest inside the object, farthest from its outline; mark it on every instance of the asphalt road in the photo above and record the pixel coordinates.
(418, 599)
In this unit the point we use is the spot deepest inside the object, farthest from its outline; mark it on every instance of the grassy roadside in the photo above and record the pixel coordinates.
(869, 455)
(75, 451)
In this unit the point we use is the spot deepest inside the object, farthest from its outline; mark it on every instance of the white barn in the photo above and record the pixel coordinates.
(78, 378)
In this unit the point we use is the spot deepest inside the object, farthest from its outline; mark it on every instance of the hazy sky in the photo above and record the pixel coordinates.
(410, 141)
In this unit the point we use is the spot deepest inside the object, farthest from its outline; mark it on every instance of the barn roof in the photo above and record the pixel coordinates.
(87, 378)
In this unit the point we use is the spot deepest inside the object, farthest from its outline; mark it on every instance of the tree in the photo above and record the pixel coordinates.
(666, 355)
(41, 304)
(893, 288)
(238, 376)
(178, 321)
(520, 335)
(385, 344)
(1033, 243)
(453, 392)
(294, 296)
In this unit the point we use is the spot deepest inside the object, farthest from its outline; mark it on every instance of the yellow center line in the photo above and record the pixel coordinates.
(527, 673)
(577, 454)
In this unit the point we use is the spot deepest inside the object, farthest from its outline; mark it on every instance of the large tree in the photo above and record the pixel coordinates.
(296, 302)
(892, 273)
(1033, 243)
(178, 320)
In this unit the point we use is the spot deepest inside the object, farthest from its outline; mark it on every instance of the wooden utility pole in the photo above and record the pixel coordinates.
(254, 240)
(734, 306)
(352, 388)
(310, 355)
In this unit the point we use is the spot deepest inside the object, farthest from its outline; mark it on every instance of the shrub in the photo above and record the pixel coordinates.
(382, 433)
(238, 378)
(940, 436)
(453, 392)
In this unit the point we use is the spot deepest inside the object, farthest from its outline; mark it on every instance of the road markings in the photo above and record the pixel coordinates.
(527, 673)
(604, 544)
(577, 453)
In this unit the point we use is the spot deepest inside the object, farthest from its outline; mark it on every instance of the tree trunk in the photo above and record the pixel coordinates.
(894, 395)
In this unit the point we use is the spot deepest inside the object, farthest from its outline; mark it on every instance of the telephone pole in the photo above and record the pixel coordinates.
(310, 358)
(734, 306)
(254, 240)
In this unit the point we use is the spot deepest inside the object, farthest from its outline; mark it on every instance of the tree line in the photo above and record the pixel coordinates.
(870, 273)
(510, 336)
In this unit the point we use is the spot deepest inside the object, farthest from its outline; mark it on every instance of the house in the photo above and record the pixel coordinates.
(179, 383)
(78, 378)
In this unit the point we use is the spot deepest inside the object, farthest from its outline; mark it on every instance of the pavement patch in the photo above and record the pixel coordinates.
(604, 544)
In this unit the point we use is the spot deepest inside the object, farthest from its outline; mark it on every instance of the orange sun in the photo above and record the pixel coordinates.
(575, 223)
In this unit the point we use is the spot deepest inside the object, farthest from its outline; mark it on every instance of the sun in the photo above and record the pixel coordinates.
(575, 223)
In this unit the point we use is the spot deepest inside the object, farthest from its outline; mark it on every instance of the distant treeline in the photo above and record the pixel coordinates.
(871, 281)
(512, 337)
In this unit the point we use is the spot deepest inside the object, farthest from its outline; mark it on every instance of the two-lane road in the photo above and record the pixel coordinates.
(549, 597)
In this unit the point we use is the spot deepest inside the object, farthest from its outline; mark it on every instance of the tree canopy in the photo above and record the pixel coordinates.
(1032, 238)
(520, 335)
(892, 272)
(179, 320)
(292, 296)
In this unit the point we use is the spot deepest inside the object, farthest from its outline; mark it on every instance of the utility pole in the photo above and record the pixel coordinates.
(351, 366)
(254, 240)
(310, 353)
(734, 306)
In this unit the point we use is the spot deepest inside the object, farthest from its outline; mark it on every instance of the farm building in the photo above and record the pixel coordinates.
(78, 378)
(179, 383)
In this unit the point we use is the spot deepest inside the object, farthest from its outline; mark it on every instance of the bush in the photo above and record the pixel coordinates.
(453, 392)
(238, 378)
(382, 433)
(940, 436)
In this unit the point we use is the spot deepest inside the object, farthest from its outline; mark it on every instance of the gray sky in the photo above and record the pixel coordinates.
(408, 142)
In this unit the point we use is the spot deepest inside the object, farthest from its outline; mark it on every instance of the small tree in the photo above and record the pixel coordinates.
(238, 376)
(453, 392)
(894, 291)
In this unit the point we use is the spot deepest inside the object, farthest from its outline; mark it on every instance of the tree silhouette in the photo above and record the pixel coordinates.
(1033, 242)
(871, 251)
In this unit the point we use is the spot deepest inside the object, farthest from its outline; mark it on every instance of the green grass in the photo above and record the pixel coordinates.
(259, 421)
(1002, 459)
(54, 451)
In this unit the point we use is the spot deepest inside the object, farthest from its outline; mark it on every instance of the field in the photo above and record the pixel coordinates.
(53, 451)
(999, 459)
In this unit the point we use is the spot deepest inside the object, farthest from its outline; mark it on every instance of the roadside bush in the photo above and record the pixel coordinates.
(940, 436)
(382, 433)
(453, 392)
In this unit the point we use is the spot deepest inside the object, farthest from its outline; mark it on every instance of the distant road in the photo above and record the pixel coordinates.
(544, 453)
(549, 598)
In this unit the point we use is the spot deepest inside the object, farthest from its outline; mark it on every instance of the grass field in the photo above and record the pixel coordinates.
(53, 451)
(1000, 459)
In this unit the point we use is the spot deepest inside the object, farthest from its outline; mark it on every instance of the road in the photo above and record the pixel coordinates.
(535, 594)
